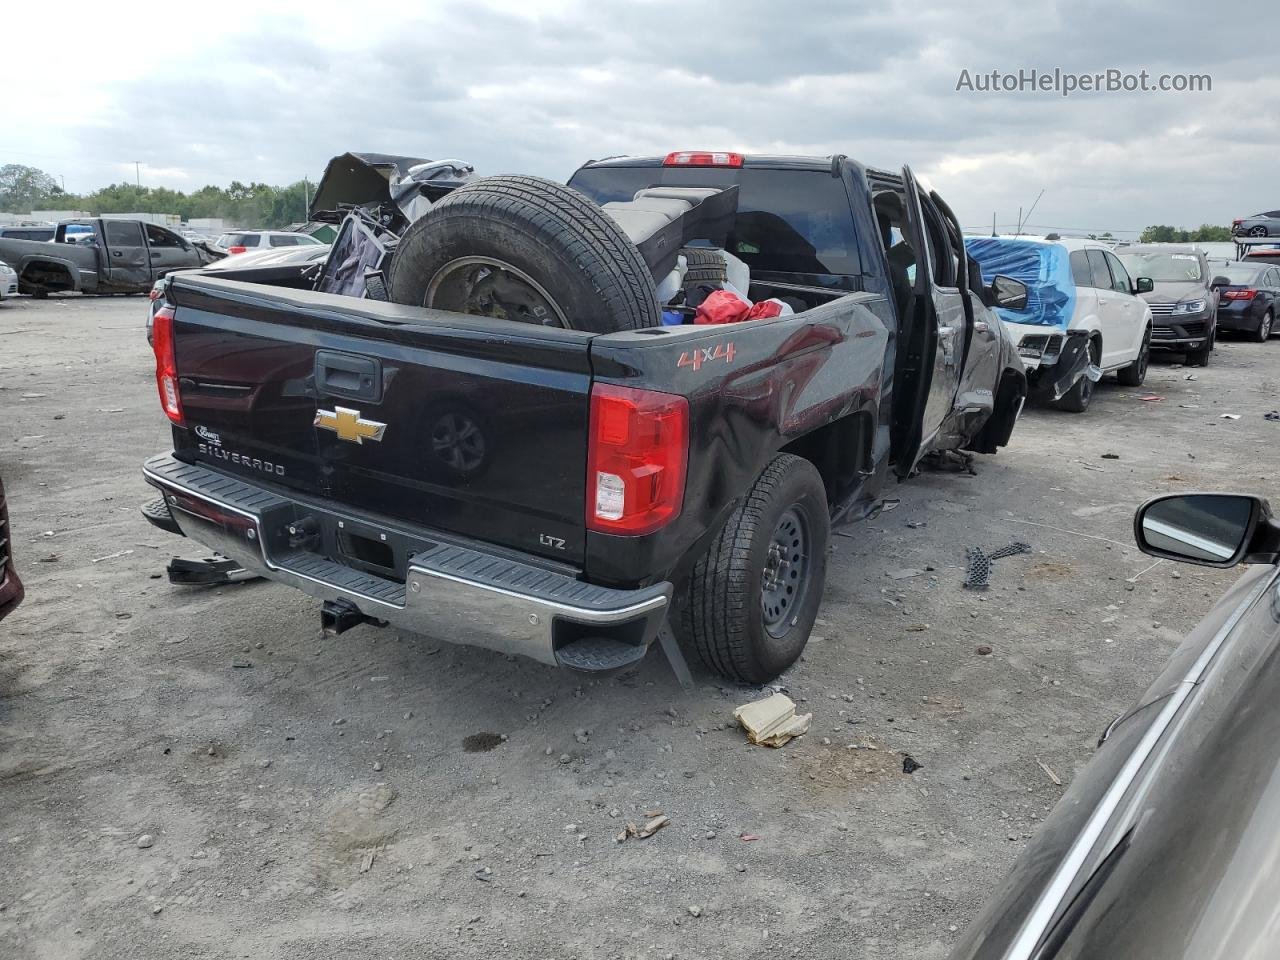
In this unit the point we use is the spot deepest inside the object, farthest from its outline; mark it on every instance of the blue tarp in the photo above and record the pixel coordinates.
(1044, 267)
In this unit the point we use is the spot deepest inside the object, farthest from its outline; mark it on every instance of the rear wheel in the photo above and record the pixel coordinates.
(1264, 328)
(1135, 373)
(1077, 399)
(525, 249)
(1258, 231)
(753, 596)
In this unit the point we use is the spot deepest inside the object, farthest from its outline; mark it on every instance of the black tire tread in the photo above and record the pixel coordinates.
(722, 593)
(569, 223)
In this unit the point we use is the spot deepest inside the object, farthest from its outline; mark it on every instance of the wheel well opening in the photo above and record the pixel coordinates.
(841, 451)
(46, 275)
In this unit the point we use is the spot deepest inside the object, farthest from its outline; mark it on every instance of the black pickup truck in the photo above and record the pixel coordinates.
(562, 493)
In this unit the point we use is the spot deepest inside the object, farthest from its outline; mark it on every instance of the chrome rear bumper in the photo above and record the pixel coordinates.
(451, 592)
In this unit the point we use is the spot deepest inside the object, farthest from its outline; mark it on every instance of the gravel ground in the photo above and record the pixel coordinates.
(198, 773)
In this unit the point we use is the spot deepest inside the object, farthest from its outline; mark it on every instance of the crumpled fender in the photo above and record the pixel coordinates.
(1052, 383)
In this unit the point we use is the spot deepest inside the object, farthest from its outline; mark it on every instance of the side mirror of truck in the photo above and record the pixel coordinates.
(1144, 285)
(1008, 293)
(1211, 529)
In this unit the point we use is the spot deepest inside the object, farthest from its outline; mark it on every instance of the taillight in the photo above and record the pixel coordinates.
(636, 459)
(1239, 294)
(236, 249)
(166, 364)
(702, 158)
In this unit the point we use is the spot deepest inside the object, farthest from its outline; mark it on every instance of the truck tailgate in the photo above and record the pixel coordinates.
(464, 424)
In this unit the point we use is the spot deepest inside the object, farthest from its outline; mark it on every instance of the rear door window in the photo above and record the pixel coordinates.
(123, 233)
(1100, 275)
(283, 240)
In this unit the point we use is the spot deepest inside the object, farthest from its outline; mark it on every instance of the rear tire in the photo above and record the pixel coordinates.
(525, 249)
(1264, 328)
(753, 596)
(1135, 373)
(1078, 398)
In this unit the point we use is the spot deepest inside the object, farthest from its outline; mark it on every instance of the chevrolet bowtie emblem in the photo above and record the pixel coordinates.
(349, 425)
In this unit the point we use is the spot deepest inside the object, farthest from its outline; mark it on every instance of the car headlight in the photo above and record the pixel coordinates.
(1190, 306)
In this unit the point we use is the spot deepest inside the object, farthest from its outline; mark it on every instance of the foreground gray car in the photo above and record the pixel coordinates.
(1167, 845)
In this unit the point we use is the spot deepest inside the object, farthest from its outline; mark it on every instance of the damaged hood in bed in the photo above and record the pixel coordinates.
(364, 178)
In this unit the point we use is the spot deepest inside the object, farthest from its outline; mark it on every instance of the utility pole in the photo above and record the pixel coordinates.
(306, 199)
(137, 171)
(993, 223)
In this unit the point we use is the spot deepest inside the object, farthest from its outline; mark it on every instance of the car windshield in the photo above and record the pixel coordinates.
(1166, 267)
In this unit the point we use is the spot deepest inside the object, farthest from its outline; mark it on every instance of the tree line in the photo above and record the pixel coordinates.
(23, 189)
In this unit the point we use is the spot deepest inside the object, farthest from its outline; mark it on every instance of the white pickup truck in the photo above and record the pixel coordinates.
(1084, 316)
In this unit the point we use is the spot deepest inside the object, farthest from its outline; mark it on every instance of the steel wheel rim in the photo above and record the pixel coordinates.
(488, 287)
(784, 583)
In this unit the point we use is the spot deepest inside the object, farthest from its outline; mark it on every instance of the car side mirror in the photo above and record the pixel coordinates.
(1144, 285)
(1220, 282)
(1008, 293)
(1210, 529)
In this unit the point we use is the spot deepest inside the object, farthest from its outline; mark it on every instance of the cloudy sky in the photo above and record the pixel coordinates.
(211, 92)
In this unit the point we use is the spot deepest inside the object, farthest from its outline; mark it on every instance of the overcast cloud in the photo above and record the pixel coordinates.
(209, 93)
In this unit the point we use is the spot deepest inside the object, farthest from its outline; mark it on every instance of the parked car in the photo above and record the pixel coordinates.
(10, 585)
(1255, 254)
(27, 233)
(1259, 225)
(1248, 298)
(8, 281)
(1165, 846)
(560, 487)
(1084, 316)
(273, 265)
(1183, 303)
(242, 240)
(110, 256)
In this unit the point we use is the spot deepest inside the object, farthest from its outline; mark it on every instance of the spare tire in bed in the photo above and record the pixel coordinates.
(526, 249)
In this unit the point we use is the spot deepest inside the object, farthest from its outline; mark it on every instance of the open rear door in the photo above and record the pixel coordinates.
(931, 337)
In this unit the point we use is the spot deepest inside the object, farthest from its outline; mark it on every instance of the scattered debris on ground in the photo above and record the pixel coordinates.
(978, 563)
(771, 722)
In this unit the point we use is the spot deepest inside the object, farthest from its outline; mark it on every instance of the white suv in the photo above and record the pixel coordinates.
(240, 241)
(1083, 317)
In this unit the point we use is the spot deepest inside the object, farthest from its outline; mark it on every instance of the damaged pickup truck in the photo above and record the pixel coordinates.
(566, 486)
(101, 256)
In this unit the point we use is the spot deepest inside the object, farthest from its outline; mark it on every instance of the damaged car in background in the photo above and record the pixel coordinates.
(1084, 315)
(570, 421)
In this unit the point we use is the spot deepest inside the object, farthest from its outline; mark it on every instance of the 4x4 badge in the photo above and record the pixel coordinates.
(349, 425)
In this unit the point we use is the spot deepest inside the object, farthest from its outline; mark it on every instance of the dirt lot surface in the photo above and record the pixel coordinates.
(197, 773)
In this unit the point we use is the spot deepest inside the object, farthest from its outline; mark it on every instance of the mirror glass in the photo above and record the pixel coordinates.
(1008, 292)
(1207, 527)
